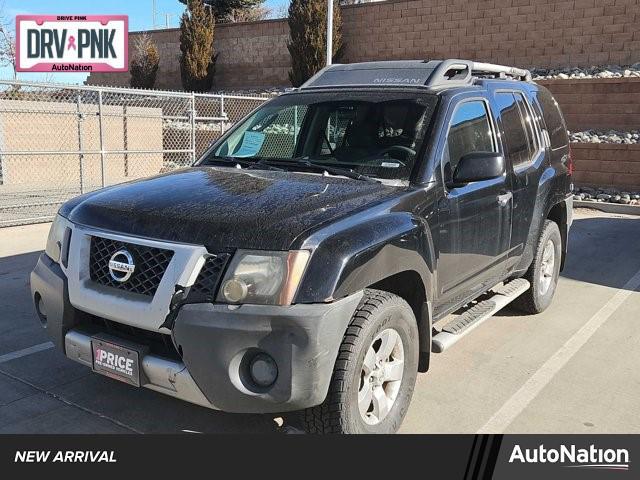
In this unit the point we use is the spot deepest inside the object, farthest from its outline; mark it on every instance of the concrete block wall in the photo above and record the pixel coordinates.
(601, 104)
(607, 165)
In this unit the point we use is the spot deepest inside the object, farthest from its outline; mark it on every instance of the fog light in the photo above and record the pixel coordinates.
(235, 290)
(263, 370)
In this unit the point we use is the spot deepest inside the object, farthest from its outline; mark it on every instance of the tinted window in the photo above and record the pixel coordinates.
(553, 119)
(375, 134)
(470, 131)
(518, 139)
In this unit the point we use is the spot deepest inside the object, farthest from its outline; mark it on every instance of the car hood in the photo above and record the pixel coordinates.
(225, 208)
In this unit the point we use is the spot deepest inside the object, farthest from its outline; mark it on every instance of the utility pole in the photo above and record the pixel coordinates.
(329, 31)
(154, 14)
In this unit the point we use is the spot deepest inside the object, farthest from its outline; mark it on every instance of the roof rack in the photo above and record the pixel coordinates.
(432, 74)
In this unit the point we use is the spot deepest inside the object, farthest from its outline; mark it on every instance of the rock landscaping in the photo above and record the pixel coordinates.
(610, 136)
(606, 195)
(606, 71)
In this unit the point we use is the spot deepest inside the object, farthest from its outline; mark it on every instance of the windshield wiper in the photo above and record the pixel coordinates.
(264, 162)
(248, 163)
(304, 161)
(345, 172)
(220, 158)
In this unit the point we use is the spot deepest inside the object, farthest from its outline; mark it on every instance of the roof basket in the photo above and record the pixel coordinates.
(411, 73)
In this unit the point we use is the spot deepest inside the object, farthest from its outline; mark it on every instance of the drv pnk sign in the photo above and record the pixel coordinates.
(72, 43)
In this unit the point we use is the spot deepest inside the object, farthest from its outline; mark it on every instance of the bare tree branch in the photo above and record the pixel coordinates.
(7, 42)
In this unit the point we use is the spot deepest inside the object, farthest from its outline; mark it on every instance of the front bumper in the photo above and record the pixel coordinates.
(215, 343)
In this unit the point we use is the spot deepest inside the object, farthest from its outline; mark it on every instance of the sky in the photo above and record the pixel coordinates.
(139, 11)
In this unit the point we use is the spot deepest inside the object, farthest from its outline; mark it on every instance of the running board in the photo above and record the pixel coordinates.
(478, 313)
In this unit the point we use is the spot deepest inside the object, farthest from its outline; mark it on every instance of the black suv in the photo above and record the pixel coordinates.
(319, 251)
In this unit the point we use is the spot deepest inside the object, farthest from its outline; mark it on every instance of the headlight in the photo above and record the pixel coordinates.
(265, 278)
(55, 239)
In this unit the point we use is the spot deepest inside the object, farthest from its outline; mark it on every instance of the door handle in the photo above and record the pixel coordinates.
(503, 199)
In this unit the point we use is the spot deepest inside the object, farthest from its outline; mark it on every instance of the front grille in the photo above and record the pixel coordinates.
(150, 265)
(206, 285)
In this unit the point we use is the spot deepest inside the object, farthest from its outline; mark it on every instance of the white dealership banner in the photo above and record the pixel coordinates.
(72, 43)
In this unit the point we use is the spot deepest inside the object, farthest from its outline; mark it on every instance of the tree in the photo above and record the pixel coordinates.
(7, 47)
(252, 14)
(227, 10)
(197, 60)
(144, 65)
(307, 38)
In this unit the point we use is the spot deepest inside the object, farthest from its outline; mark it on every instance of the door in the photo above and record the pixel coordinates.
(474, 219)
(525, 149)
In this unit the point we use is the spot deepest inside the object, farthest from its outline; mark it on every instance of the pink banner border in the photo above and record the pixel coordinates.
(96, 67)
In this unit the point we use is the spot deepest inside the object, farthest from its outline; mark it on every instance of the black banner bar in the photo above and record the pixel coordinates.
(443, 456)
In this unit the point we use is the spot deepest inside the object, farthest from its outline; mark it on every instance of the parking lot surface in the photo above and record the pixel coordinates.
(572, 369)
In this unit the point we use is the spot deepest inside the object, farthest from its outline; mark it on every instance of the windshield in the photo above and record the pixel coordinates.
(360, 134)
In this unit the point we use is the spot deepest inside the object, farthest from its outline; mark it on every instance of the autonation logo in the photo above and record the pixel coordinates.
(574, 457)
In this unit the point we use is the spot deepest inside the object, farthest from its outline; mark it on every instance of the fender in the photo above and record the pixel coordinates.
(371, 248)
(550, 192)
(361, 250)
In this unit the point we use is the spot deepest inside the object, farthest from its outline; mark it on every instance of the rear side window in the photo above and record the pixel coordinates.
(519, 137)
(553, 119)
(470, 131)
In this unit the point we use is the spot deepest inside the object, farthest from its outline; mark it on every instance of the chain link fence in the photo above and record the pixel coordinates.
(59, 141)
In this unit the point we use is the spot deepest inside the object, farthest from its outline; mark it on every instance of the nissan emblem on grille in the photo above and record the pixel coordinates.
(121, 266)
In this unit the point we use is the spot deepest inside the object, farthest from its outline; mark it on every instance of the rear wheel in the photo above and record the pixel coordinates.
(375, 373)
(544, 271)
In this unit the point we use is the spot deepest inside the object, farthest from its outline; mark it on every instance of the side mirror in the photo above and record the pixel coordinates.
(478, 166)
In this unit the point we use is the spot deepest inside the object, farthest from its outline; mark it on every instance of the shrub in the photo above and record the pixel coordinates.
(307, 38)
(144, 65)
(197, 60)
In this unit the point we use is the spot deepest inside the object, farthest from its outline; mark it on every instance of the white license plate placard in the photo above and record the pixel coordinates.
(116, 361)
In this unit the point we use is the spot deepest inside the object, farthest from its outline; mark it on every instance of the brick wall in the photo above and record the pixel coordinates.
(607, 165)
(600, 104)
(528, 33)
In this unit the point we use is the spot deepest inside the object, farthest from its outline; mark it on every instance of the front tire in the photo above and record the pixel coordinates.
(375, 372)
(544, 271)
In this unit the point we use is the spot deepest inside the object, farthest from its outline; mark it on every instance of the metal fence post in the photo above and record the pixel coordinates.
(101, 136)
(80, 142)
(222, 114)
(193, 127)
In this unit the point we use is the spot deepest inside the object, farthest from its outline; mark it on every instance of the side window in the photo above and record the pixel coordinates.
(519, 138)
(553, 119)
(469, 131)
(527, 120)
